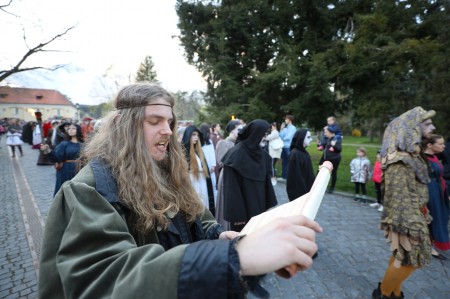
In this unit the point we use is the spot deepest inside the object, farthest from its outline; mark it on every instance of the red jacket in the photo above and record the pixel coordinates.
(377, 172)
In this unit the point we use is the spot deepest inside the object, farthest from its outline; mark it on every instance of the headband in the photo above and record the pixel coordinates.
(155, 104)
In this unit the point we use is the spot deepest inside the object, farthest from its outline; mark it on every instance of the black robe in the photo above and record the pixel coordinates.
(300, 170)
(247, 170)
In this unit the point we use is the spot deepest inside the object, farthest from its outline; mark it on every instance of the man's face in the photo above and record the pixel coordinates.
(217, 129)
(287, 121)
(330, 121)
(426, 128)
(157, 130)
(327, 133)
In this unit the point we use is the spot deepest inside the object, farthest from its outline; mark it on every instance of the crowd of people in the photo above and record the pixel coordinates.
(59, 141)
(146, 194)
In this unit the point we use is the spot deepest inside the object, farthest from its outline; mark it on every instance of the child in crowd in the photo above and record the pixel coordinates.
(376, 178)
(360, 173)
(333, 127)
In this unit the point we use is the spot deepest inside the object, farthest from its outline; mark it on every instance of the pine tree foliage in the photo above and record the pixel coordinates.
(371, 60)
(146, 72)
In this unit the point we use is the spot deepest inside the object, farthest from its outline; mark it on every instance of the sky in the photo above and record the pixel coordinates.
(111, 37)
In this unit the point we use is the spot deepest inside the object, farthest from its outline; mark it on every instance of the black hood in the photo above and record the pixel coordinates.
(298, 139)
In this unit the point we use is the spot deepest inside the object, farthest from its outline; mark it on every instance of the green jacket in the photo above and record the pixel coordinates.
(88, 252)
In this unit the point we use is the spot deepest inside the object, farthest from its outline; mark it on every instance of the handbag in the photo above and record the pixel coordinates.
(277, 143)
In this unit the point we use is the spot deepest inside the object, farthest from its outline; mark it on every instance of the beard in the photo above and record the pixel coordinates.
(163, 166)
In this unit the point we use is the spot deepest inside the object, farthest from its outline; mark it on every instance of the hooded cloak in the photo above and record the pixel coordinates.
(248, 189)
(300, 171)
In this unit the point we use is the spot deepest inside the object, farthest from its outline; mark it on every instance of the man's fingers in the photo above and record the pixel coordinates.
(304, 221)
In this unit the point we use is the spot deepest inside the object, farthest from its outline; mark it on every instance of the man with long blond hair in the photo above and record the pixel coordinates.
(130, 224)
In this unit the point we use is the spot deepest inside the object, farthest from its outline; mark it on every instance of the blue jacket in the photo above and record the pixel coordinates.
(287, 134)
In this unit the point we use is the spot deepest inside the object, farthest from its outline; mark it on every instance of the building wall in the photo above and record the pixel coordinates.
(26, 111)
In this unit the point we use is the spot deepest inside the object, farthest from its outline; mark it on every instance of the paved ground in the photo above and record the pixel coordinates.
(352, 256)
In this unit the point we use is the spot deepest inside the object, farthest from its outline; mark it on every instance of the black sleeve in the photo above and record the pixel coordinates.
(213, 265)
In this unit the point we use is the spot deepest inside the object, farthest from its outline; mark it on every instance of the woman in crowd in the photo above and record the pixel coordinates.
(14, 137)
(198, 167)
(210, 156)
(300, 171)
(275, 148)
(66, 154)
(438, 204)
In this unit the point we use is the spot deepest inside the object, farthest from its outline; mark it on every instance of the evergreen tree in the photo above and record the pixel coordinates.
(371, 60)
(146, 73)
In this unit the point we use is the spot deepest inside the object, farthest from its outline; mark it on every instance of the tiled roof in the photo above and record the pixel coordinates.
(15, 95)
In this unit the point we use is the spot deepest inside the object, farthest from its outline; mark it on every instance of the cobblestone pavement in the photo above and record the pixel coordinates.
(352, 256)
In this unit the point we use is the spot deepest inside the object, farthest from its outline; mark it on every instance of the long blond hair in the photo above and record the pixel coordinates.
(196, 149)
(151, 189)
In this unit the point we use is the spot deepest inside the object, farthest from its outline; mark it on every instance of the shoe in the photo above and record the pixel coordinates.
(380, 209)
(376, 294)
(259, 292)
(374, 205)
(356, 198)
(330, 190)
(320, 148)
(439, 256)
(274, 181)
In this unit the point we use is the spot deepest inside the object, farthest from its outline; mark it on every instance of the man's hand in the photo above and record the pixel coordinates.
(283, 242)
(228, 235)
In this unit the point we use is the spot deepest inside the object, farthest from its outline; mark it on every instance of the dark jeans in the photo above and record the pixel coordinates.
(285, 153)
(378, 191)
(363, 188)
(13, 149)
(334, 172)
(274, 170)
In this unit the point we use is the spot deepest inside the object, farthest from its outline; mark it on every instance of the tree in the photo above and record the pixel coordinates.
(187, 105)
(146, 73)
(41, 47)
(108, 84)
(375, 59)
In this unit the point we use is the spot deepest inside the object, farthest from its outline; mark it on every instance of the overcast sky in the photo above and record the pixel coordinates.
(109, 34)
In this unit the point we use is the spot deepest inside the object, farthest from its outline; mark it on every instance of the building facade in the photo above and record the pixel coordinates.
(22, 103)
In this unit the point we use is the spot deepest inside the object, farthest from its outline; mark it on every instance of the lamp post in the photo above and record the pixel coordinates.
(78, 112)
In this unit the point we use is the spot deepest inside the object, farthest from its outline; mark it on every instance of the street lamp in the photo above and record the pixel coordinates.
(78, 112)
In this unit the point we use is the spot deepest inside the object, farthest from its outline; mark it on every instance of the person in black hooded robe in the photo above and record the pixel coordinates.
(198, 152)
(247, 170)
(247, 181)
(300, 170)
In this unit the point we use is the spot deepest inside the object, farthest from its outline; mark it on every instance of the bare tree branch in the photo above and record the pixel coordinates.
(39, 48)
(2, 8)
